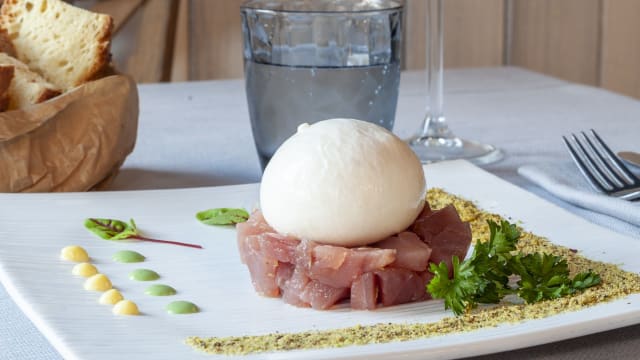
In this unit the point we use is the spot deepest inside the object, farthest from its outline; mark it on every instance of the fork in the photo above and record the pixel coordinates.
(601, 167)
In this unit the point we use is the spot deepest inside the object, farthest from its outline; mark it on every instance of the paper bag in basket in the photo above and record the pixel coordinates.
(72, 142)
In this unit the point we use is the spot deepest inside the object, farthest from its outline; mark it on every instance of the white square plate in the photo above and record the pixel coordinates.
(34, 227)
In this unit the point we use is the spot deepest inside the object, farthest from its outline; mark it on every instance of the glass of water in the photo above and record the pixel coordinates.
(311, 60)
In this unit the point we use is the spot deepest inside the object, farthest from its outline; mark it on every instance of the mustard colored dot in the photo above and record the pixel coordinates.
(74, 253)
(98, 282)
(126, 307)
(84, 269)
(111, 297)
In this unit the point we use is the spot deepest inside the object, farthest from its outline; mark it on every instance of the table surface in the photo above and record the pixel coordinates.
(198, 134)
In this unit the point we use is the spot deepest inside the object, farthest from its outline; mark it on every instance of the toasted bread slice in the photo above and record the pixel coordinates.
(27, 86)
(6, 75)
(66, 44)
(5, 44)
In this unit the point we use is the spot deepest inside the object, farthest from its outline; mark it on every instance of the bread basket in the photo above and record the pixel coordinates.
(74, 142)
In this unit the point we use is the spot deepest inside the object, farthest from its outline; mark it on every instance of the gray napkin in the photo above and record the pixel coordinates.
(564, 181)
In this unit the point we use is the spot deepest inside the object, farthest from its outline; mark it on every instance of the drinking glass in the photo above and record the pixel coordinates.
(307, 61)
(435, 141)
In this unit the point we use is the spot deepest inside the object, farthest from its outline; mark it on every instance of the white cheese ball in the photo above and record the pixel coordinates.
(343, 182)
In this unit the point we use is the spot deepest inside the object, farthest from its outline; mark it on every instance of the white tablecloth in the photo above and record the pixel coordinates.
(198, 134)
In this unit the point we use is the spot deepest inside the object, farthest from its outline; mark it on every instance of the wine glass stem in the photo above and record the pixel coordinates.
(434, 124)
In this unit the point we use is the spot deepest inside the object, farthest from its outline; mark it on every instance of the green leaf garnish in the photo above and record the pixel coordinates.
(111, 229)
(484, 276)
(458, 290)
(542, 277)
(585, 280)
(222, 216)
(114, 230)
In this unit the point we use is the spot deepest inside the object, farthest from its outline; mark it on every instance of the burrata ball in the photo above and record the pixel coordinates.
(342, 182)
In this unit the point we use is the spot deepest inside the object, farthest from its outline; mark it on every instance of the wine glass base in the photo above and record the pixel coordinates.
(433, 149)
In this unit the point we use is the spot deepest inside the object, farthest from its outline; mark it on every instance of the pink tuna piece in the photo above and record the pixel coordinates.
(255, 225)
(284, 272)
(445, 233)
(399, 286)
(339, 267)
(321, 296)
(364, 292)
(279, 247)
(293, 288)
(262, 269)
(426, 277)
(411, 252)
(449, 243)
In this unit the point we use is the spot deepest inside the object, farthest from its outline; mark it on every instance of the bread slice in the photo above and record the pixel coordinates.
(27, 86)
(6, 75)
(66, 44)
(5, 44)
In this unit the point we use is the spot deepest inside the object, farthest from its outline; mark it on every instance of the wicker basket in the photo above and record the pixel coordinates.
(74, 142)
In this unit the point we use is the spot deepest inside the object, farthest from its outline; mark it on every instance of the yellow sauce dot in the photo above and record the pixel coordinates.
(84, 269)
(97, 282)
(74, 253)
(126, 307)
(111, 297)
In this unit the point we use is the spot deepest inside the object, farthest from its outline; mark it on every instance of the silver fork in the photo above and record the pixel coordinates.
(601, 167)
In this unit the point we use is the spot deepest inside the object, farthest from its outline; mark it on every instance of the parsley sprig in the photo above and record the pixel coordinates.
(484, 276)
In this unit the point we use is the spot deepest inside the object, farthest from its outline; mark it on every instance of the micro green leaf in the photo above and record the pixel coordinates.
(115, 230)
(222, 216)
(111, 229)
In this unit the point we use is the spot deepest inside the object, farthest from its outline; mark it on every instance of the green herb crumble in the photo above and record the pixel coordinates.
(616, 283)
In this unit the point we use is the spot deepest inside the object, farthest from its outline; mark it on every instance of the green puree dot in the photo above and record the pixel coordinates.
(160, 290)
(182, 307)
(143, 275)
(128, 256)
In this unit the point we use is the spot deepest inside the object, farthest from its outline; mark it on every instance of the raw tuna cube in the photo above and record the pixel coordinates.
(399, 286)
(339, 267)
(411, 252)
(364, 292)
(321, 296)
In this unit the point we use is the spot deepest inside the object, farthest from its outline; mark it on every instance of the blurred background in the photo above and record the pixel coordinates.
(593, 42)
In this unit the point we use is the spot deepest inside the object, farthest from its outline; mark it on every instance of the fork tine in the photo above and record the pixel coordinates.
(630, 178)
(592, 165)
(603, 163)
(586, 170)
